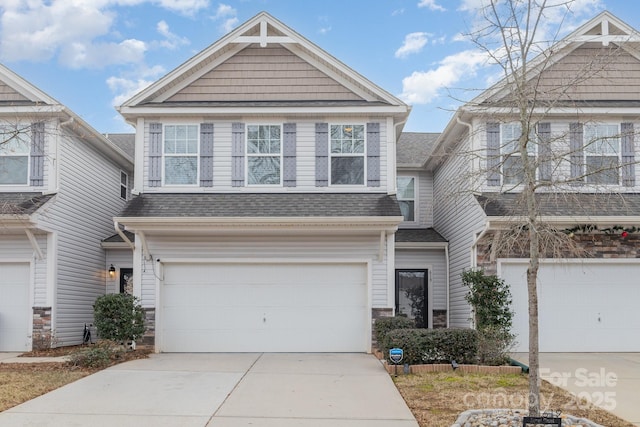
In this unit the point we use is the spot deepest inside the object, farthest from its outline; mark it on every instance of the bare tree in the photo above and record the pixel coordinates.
(535, 163)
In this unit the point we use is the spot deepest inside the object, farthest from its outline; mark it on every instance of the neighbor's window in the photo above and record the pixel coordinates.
(124, 185)
(181, 154)
(602, 153)
(264, 154)
(347, 154)
(407, 197)
(512, 169)
(15, 146)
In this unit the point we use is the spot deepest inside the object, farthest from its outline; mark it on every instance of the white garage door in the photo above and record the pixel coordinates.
(14, 306)
(264, 308)
(583, 306)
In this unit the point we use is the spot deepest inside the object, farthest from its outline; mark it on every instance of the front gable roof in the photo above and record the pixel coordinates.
(262, 63)
(16, 91)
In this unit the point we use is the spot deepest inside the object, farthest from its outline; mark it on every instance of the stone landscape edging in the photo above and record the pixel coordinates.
(446, 367)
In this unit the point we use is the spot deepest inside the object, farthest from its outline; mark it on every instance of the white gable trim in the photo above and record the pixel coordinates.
(23, 87)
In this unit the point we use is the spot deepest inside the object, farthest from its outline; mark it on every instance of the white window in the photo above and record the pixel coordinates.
(264, 154)
(15, 145)
(602, 153)
(124, 185)
(407, 197)
(512, 169)
(180, 154)
(347, 154)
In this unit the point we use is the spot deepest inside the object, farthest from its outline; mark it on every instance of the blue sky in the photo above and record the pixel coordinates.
(94, 54)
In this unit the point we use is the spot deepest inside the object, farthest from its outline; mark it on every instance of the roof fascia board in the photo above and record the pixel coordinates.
(294, 110)
(39, 110)
(572, 111)
(500, 222)
(24, 87)
(422, 245)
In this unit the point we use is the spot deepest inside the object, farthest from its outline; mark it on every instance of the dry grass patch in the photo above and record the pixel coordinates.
(24, 381)
(436, 399)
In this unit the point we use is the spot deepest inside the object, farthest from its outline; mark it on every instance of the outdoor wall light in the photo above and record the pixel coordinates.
(112, 271)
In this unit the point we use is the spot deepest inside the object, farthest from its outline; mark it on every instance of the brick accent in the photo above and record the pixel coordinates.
(596, 245)
(41, 337)
(439, 319)
(149, 337)
(378, 313)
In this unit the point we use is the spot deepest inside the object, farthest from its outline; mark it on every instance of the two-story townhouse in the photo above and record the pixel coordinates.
(61, 183)
(265, 210)
(588, 87)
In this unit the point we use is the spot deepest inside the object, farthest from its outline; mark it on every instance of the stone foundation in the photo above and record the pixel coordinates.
(42, 336)
(149, 337)
(439, 319)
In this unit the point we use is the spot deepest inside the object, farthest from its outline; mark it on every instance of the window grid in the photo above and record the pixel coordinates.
(14, 156)
(407, 197)
(602, 153)
(347, 151)
(180, 148)
(264, 155)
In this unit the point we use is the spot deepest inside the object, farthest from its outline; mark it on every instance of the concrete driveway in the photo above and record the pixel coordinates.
(609, 380)
(225, 390)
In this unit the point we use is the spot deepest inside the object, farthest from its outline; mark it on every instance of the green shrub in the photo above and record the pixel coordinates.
(96, 356)
(382, 326)
(433, 345)
(118, 317)
(494, 346)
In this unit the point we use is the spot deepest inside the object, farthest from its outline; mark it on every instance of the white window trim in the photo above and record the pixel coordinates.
(363, 155)
(27, 131)
(126, 187)
(588, 145)
(415, 198)
(247, 155)
(197, 155)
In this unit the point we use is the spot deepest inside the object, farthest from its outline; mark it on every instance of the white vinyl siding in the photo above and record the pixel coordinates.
(119, 258)
(310, 248)
(305, 162)
(81, 215)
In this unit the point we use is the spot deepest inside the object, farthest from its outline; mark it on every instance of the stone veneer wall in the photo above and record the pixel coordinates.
(439, 319)
(41, 337)
(596, 245)
(149, 337)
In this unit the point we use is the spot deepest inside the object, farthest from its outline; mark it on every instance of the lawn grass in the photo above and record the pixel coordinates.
(437, 399)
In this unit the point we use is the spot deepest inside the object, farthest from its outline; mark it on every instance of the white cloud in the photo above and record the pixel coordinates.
(124, 88)
(413, 43)
(171, 41)
(431, 4)
(80, 55)
(186, 7)
(421, 87)
(397, 12)
(228, 17)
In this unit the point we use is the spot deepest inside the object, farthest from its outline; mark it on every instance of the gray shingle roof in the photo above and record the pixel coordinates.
(22, 203)
(413, 148)
(418, 235)
(125, 141)
(117, 239)
(563, 204)
(262, 205)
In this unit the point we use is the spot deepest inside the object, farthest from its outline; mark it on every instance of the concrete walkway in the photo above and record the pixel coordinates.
(225, 390)
(608, 380)
(14, 358)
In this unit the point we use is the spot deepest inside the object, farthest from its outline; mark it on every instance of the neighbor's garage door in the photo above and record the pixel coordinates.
(14, 306)
(583, 306)
(264, 308)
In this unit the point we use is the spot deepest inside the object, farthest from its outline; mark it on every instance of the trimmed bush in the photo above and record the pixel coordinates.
(382, 326)
(433, 345)
(96, 356)
(118, 317)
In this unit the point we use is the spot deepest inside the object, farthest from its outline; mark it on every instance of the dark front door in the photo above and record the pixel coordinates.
(411, 296)
(126, 280)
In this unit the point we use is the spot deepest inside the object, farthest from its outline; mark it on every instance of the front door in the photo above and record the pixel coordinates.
(411, 296)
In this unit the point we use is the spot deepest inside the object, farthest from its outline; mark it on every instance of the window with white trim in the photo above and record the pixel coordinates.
(347, 154)
(124, 185)
(602, 153)
(407, 197)
(15, 145)
(180, 154)
(512, 169)
(264, 155)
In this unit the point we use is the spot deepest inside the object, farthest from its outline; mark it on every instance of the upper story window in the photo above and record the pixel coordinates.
(602, 153)
(180, 154)
(264, 154)
(124, 185)
(15, 145)
(347, 154)
(512, 168)
(407, 197)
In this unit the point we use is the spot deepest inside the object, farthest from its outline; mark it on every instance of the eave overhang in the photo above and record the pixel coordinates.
(422, 245)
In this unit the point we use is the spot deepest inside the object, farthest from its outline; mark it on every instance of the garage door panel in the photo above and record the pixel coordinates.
(14, 306)
(583, 306)
(262, 307)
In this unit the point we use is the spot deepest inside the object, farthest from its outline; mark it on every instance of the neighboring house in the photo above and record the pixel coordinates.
(265, 210)
(588, 109)
(60, 186)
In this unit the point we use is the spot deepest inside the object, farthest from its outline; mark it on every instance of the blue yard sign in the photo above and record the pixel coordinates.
(395, 355)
